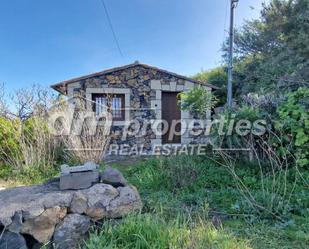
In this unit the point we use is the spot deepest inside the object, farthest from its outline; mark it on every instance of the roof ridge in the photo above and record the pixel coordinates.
(57, 86)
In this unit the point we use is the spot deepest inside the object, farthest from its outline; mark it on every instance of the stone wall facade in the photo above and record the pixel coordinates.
(143, 89)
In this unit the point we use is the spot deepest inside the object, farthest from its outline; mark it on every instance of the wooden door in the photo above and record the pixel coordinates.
(171, 112)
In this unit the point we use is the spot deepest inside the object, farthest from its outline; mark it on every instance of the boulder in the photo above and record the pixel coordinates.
(10, 240)
(113, 177)
(71, 231)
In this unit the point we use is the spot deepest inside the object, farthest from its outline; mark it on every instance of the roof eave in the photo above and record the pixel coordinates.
(61, 87)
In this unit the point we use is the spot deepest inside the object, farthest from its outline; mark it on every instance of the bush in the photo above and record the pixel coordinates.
(198, 101)
(294, 124)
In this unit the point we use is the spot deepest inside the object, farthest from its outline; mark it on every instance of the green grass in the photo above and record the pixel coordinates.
(181, 195)
(25, 176)
(151, 231)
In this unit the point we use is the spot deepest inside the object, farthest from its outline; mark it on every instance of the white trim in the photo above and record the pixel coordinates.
(108, 90)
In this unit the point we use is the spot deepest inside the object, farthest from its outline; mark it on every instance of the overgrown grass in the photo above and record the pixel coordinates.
(185, 193)
(151, 231)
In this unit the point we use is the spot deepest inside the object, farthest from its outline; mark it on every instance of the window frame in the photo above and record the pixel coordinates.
(109, 101)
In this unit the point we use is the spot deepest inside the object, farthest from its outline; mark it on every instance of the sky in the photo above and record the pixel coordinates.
(48, 41)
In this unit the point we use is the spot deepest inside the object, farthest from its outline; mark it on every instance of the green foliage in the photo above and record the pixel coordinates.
(217, 77)
(294, 123)
(197, 100)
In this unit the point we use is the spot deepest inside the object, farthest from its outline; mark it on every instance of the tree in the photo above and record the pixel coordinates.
(272, 52)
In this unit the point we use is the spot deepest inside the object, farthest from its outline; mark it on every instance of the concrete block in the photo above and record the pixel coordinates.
(155, 84)
(166, 88)
(158, 94)
(155, 104)
(78, 180)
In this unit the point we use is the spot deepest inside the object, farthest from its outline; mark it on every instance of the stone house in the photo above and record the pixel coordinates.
(138, 92)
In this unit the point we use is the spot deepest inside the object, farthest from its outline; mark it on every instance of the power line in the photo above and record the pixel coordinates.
(112, 28)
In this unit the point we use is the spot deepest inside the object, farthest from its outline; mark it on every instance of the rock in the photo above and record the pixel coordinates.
(71, 231)
(43, 226)
(79, 203)
(113, 177)
(16, 224)
(127, 199)
(10, 240)
(96, 204)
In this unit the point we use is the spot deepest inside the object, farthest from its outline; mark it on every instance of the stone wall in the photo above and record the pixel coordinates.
(32, 216)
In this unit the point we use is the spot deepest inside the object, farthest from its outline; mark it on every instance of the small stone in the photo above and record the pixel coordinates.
(71, 231)
(132, 82)
(79, 203)
(113, 177)
(10, 240)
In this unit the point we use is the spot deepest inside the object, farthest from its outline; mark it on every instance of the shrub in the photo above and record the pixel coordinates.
(197, 100)
(294, 124)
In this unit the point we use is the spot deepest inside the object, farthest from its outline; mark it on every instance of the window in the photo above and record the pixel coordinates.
(113, 102)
